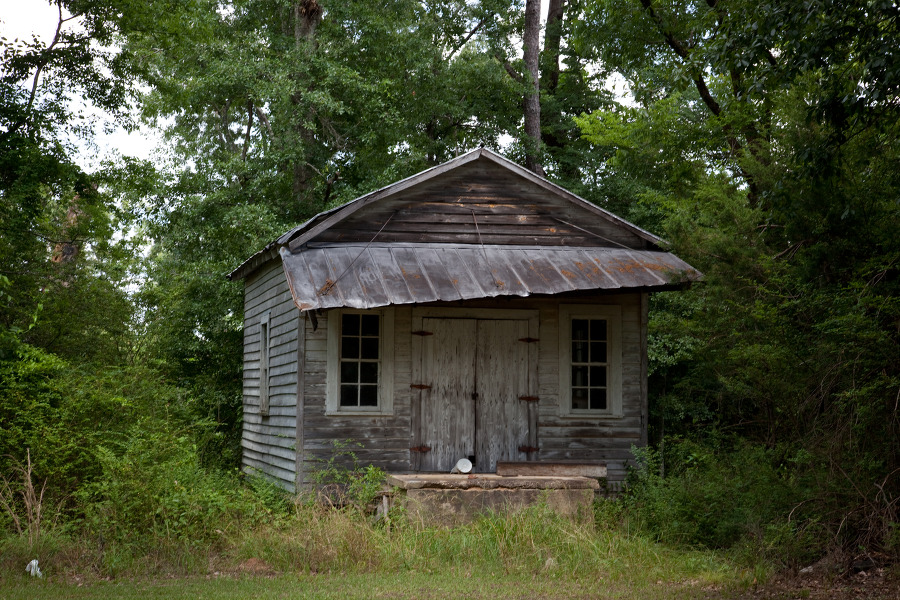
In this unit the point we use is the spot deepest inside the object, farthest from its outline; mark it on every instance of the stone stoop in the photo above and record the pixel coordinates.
(447, 500)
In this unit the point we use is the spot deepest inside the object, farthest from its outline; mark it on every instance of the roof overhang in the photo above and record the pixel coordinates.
(364, 276)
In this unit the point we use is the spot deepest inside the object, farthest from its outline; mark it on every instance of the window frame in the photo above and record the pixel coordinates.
(265, 355)
(612, 314)
(385, 404)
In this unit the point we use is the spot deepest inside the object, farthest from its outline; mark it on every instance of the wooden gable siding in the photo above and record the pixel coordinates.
(387, 439)
(480, 202)
(268, 441)
(384, 438)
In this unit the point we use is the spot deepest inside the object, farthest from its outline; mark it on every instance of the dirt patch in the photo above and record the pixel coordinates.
(257, 567)
(876, 584)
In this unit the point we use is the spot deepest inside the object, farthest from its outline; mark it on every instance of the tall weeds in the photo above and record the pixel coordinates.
(22, 502)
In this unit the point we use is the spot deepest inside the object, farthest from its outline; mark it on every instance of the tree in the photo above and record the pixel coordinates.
(278, 111)
(762, 149)
(56, 249)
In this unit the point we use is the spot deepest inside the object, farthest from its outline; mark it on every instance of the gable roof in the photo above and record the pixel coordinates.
(474, 227)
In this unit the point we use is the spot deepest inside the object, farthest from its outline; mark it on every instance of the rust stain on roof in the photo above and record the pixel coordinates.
(326, 289)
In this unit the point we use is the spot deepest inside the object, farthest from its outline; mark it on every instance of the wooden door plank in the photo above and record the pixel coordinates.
(501, 377)
(447, 411)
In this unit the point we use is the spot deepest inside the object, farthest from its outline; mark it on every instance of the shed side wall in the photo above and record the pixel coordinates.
(268, 441)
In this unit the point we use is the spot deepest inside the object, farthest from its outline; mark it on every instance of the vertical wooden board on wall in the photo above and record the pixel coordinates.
(533, 369)
(417, 396)
(501, 378)
(447, 411)
(300, 468)
(645, 400)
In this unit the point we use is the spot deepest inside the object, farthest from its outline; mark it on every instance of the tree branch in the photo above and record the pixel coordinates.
(466, 40)
(683, 51)
(37, 73)
(510, 70)
(249, 127)
(265, 121)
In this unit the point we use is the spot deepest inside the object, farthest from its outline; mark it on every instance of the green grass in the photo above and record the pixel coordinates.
(394, 586)
(316, 553)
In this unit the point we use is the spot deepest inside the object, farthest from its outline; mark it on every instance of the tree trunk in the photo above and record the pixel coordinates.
(531, 51)
(550, 71)
(306, 16)
(552, 41)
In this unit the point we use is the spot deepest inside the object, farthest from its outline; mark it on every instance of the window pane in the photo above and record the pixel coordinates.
(598, 376)
(579, 329)
(368, 395)
(349, 395)
(349, 347)
(598, 329)
(598, 399)
(350, 324)
(370, 325)
(349, 372)
(369, 348)
(579, 352)
(598, 352)
(580, 398)
(580, 376)
(368, 372)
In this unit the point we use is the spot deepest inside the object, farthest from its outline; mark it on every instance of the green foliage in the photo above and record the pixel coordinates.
(152, 485)
(758, 153)
(343, 480)
(718, 495)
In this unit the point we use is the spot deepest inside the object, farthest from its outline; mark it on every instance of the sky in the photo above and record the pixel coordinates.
(24, 18)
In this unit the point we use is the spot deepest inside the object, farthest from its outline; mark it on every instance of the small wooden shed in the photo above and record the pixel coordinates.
(474, 310)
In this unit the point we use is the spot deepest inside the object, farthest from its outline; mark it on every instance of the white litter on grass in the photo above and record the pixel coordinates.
(33, 569)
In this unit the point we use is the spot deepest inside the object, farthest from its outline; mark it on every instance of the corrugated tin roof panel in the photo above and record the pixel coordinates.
(369, 276)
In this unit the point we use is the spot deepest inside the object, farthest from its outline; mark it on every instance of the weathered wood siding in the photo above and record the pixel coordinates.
(387, 439)
(599, 438)
(480, 203)
(384, 438)
(269, 441)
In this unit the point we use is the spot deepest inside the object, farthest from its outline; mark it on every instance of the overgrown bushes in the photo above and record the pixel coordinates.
(111, 453)
(763, 504)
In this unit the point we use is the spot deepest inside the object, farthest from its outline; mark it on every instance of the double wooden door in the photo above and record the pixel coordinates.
(475, 403)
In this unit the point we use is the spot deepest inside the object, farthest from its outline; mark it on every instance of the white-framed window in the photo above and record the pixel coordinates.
(590, 360)
(264, 355)
(360, 365)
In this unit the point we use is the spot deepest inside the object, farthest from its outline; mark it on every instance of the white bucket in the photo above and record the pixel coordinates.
(463, 465)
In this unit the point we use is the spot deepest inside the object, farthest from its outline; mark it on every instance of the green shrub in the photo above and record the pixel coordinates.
(719, 496)
(343, 480)
(153, 486)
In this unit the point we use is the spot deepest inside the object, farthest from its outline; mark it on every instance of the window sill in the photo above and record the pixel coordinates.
(591, 415)
(351, 412)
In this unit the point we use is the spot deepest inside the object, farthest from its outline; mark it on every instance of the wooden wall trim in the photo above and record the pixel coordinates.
(645, 401)
(300, 468)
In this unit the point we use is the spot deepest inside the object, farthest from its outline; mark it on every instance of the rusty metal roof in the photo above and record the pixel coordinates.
(373, 275)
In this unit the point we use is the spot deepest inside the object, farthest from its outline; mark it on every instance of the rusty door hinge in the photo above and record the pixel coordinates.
(419, 386)
(529, 340)
(528, 448)
(420, 449)
(529, 398)
(422, 332)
